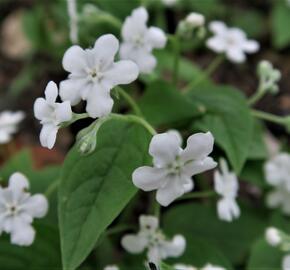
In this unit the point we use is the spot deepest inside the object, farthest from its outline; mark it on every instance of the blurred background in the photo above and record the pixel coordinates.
(34, 34)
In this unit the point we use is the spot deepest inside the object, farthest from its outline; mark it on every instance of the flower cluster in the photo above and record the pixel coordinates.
(18, 209)
(151, 238)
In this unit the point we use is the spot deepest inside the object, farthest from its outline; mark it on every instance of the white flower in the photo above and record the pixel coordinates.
(8, 124)
(169, 3)
(277, 172)
(226, 185)
(51, 114)
(184, 267)
(111, 267)
(139, 40)
(195, 19)
(93, 73)
(231, 41)
(212, 267)
(18, 209)
(173, 166)
(153, 240)
(272, 236)
(286, 262)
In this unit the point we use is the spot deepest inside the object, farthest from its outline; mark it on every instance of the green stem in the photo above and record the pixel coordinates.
(197, 195)
(210, 69)
(51, 188)
(256, 96)
(269, 117)
(75, 117)
(119, 229)
(176, 51)
(129, 100)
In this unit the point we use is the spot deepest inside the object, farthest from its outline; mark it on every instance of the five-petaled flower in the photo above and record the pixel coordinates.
(231, 41)
(226, 185)
(173, 166)
(51, 114)
(93, 73)
(18, 209)
(8, 124)
(139, 40)
(150, 237)
(277, 172)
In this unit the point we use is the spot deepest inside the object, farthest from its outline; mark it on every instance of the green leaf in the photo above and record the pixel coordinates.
(253, 173)
(280, 23)
(165, 266)
(159, 100)
(263, 256)
(94, 189)
(44, 253)
(228, 118)
(196, 221)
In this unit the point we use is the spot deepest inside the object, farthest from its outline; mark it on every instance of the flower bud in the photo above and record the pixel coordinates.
(169, 3)
(195, 19)
(273, 237)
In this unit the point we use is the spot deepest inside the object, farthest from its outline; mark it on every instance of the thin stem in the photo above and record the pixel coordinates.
(269, 117)
(176, 51)
(256, 96)
(51, 188)
(197, 195)
(75, 117)
(210, 69)
(119, 229)
(130, 101)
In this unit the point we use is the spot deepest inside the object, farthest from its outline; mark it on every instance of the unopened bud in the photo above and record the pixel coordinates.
(195, 19)
(273, 237)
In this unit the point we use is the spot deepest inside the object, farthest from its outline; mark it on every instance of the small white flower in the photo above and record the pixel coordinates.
(18, 209)
(8, 124)
(272, 236)
(184, 267)
(93, 73)
(231, 41)
(195, 19)
(226, 185)
(279, 197)
(51, 114)
(139, 40)
(173, 166)
(286, 262)
(212, 267)
(169, 3)
(153, 240)
(111, 267)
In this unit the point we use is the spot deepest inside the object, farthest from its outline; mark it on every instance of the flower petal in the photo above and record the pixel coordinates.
(145, 61)
(48, 135)
(251, 46)
(122, 72)
(63, 112)
(150, 223)
(36, 206)
(51, 92)
(164, 148)
(133, 243)
(18, 181)
(236, 55)
(228, 209)
(22, 235)
(71, 89)
(148, 178)
(218, 27)
(174, 248)
(74, 60)
(156, 37)
(199, 166)
(217, 44)
(199, 146)
(41, 109)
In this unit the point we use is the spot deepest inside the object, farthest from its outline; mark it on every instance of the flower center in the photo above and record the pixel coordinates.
(95, 74)
(138, 41)
(12, 209)
(176, 166)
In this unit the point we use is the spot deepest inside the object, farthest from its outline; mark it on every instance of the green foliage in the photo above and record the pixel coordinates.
(280, 23)
(197, 221)
(228, 118)
(95, 189)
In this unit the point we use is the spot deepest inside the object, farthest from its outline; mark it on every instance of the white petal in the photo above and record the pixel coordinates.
(22, 235)
(156, 37)
(274, 198)
(171, 191)
(18, 181)
(48, 135)
(217, 44)
(176, 247)
(41, 109)
(188, 185)
(236, 55)
(51, 92)
(99, 102)
(150, 223)
(212, 267)
(154, 255)
(199, 166)
(286, 262)
(71, 89)
(148, 178)
(218, 27)
(199, 146)
(63, 112)
(134, 243)
(146, 62)
(36, 206)
(251, 46)
(74, 59)
(228, 209)
(122, 72)
(164, 148)
(105, 48)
